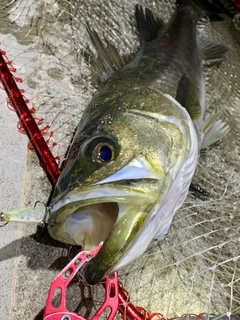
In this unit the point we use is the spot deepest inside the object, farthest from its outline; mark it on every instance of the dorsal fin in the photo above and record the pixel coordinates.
(147, 25)
(108, 60)
(188, 98)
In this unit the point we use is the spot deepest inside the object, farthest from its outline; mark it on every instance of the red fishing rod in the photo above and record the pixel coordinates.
(18, 103)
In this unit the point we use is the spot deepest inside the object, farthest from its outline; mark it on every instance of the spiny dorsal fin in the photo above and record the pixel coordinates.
(188, 98)
(212, 51)
(108, 59)
(147, 25)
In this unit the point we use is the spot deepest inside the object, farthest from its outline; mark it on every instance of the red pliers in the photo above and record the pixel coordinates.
(62, 281)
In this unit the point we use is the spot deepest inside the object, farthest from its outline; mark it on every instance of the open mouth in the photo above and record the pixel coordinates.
(86, 218)
(89, 225)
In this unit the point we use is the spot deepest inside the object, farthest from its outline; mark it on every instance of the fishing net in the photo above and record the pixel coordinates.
(195, 269)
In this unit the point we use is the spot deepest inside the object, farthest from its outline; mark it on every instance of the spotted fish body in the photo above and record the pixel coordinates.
(136, 148)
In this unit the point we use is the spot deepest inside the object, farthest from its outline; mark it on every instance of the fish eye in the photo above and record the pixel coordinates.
(103, 153)
(100, 149)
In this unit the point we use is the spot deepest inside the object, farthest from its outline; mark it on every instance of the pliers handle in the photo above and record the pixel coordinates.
(62, 281)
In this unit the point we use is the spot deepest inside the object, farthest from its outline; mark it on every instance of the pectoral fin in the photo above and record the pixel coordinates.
(188, 98)
(214, 129)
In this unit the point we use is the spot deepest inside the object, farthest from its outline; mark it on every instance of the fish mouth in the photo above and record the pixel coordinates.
(98, 214)
(88, 225)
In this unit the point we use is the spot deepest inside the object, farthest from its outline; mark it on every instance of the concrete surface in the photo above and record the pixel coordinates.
(12, 172)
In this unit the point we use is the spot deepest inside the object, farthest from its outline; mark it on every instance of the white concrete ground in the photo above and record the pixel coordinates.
(13, 149)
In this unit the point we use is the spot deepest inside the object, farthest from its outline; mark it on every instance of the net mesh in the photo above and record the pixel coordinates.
(195, 269)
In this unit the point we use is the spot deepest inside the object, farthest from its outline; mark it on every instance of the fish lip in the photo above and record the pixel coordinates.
(118, 244)
(91, 273)
(110, 193)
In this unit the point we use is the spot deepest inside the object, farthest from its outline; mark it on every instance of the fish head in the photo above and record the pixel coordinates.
(123, 159)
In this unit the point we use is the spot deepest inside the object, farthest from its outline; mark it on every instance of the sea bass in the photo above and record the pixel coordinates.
(135, 151)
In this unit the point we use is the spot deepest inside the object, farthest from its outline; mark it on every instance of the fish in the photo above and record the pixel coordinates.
(134, 153)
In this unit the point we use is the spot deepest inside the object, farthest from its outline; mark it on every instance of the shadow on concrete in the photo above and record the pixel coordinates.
(39, 316)
(35, 247)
